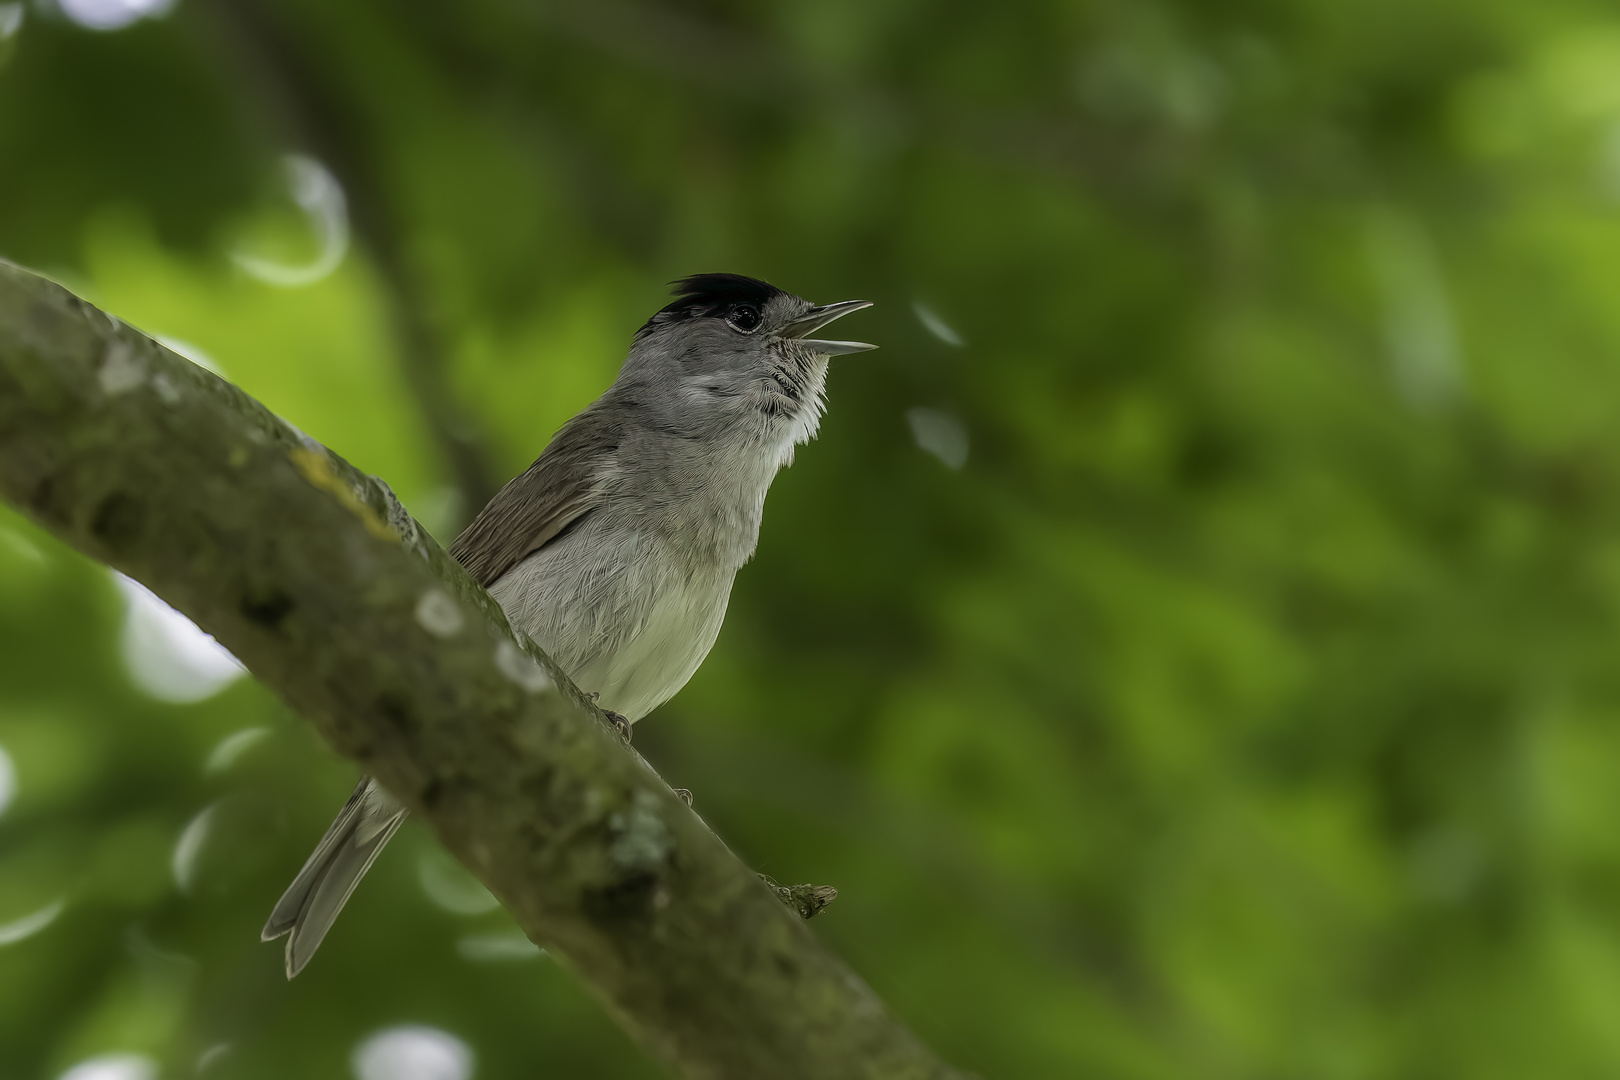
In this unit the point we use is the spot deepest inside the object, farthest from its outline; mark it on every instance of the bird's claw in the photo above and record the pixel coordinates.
(685, 794)
(619, 723)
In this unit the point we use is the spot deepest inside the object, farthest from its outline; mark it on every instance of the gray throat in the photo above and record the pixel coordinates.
(699, 476)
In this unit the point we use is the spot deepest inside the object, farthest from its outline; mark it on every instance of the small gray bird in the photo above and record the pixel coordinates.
(616, 550)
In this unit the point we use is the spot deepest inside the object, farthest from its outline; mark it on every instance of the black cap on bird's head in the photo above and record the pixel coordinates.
(715, 294)
(745, 304)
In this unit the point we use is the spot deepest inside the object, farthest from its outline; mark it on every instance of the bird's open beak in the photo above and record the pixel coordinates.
(816, 318)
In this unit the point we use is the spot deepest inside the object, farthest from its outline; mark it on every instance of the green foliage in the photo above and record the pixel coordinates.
(1244, 705)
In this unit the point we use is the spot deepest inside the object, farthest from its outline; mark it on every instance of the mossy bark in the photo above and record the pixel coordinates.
(312, 574)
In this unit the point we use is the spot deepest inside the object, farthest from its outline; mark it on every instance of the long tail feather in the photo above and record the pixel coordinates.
(311, 903)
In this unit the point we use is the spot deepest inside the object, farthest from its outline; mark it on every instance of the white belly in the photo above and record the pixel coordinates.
(621, 616)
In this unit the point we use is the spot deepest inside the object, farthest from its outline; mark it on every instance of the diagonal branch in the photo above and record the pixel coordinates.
(310, 573)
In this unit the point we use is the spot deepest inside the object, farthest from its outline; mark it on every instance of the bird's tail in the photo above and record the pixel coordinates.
(307, 909)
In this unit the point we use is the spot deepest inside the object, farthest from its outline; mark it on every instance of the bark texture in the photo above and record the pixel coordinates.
(312, 574)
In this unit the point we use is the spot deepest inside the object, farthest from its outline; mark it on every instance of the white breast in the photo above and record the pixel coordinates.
(618, 612)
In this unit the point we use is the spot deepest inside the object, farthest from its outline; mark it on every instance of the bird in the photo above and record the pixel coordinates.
(616, 550)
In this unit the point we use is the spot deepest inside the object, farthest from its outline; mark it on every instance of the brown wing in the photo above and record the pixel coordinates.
(535, 507)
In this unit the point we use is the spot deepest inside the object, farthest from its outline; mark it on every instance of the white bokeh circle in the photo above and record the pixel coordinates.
(413, 1052)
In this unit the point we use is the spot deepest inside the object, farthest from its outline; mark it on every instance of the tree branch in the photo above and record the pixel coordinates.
(313, 575)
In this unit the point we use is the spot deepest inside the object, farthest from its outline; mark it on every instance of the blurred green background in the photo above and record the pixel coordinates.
(1192, 646)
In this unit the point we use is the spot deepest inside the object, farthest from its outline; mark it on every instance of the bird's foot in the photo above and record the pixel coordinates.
(685, 794)
(619, 722)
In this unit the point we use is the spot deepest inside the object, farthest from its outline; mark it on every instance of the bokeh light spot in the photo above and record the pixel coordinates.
(114, 1067)
(112, 14)
(213, 1056)
(413, 1052)
(223, 843)
(451, 887)
(189, 847)
(30, 924)
(166, 654)
(941, 434)
(8, 780)
(320, 197)
(937, 326)
(231, 748)
(497, 948)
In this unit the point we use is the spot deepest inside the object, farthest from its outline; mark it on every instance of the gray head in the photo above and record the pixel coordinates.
(733, 352)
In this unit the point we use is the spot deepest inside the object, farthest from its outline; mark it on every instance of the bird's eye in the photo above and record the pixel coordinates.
(744, 317)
